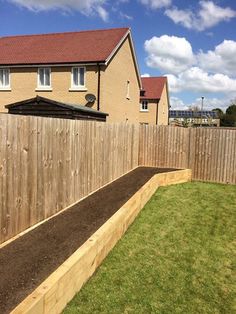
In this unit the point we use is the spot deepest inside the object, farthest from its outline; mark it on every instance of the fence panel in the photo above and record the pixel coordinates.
(163, 146)
(48, 164)
(209, 152)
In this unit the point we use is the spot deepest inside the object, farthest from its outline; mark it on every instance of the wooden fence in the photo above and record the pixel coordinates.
(47, 164)
(210, 153)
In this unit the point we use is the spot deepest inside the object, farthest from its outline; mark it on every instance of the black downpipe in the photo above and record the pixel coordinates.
(157, 113)
(99, 86)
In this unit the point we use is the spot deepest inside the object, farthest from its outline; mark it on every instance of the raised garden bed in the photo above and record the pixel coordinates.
(26, 262)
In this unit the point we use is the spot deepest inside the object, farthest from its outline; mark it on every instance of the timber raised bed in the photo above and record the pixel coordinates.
(45, 267)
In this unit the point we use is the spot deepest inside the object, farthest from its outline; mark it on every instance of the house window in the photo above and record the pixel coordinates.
(144, 105)
(142, 93)
(44, 78)
(128, 90)
(4, 78)
(78, 78)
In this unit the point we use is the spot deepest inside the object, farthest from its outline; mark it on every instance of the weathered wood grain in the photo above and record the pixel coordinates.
(209, 152)
(48, 164)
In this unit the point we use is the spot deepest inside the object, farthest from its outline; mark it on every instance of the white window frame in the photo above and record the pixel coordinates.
(78, 87)
(6, 87)
(141, 106)
(44, 87)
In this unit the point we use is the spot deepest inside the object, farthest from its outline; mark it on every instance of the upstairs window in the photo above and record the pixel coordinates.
(78, 78)
(144, 105)
(4, 78)
(44, 78)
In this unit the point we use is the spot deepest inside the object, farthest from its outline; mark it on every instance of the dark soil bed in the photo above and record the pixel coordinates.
(30, 259)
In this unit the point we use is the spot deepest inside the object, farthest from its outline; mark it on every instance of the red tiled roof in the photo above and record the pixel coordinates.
(85, 46)
(153, 87)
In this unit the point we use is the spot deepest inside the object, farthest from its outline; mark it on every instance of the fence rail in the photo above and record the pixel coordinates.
(48, 164)
(210, 153)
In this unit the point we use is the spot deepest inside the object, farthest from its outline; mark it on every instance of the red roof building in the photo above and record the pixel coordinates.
(73, 68)
(154, 101)
(152, 87)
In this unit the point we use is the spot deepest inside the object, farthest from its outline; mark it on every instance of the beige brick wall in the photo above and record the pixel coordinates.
(154, 117)
(149, 116)
(114, 87)
(163, 108)
(24, 85)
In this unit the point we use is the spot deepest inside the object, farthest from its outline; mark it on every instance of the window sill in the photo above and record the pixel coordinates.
(78, 89)
(41, 89)
(143, 110)
(7, 89)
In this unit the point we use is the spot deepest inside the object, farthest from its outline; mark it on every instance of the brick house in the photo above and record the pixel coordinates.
(154, 101)
(65, 67)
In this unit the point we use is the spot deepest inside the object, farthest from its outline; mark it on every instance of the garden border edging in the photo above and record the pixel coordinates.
(61, 286)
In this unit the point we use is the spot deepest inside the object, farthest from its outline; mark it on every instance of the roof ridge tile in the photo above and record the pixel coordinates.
(65, 33)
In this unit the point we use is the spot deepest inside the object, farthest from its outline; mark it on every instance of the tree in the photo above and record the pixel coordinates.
(231, 109)
(219, 111)
(229, 118)
(185, 123)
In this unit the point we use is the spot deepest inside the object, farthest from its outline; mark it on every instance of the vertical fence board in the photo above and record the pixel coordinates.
(48, 164)
(210, 153)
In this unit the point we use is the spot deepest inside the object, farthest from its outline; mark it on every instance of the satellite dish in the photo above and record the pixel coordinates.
(90, 98)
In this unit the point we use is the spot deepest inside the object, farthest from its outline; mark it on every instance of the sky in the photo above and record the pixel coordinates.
(192, 42)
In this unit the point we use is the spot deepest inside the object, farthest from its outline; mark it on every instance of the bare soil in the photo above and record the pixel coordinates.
(29, 260)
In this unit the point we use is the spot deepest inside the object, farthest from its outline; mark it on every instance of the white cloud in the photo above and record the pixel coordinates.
(213, 71)
(145, 75)
(102, 13)
(184, 17)
(222, 59)
(156, 4)
(208, 16)
(126, 16)
(211, 14)
(197, 80)
(169, 53)
(208, 104)
(177, 104)
(86, 7)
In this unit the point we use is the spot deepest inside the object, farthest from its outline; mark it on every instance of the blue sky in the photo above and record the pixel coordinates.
(193, 42)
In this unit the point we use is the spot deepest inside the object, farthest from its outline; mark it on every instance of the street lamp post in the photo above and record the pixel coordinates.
(202, 109)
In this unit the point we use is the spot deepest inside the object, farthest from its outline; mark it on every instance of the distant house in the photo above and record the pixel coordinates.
(191, 118)
(66, 67)
(154, 101)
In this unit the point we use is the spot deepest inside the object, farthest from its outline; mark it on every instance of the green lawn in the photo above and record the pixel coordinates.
(177, 257)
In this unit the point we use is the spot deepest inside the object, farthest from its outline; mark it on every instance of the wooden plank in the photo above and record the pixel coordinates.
(3, 175)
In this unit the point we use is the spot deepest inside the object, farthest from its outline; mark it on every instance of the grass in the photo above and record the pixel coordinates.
(177, 257)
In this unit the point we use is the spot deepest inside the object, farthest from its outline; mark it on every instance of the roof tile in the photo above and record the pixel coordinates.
(153, 87)
(73, 47)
